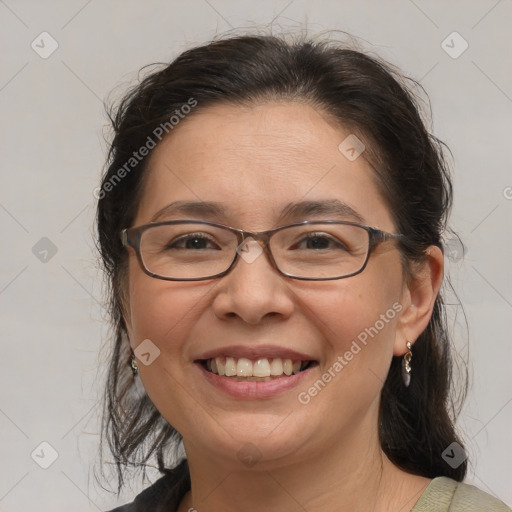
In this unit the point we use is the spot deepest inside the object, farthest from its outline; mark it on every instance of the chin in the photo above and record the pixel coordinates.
(267, 441)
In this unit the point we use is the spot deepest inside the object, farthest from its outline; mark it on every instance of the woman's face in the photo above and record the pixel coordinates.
(254, 163)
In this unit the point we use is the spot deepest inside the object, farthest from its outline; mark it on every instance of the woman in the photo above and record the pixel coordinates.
(270, 223)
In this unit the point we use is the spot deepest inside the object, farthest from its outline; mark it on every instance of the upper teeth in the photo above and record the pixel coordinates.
(243, 367)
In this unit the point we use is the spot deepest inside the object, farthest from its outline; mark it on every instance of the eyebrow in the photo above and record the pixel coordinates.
(292, 211)
(329, 207)
(197, 208)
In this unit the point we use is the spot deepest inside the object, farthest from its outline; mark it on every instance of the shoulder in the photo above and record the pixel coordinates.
(165, 494)
(444, 494)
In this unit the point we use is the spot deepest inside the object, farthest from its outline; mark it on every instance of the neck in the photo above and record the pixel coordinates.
(351, 474)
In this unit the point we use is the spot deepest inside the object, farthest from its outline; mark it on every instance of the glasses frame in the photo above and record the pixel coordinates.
(131, 237)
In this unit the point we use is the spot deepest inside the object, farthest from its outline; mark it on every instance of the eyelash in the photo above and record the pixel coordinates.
(187, 237)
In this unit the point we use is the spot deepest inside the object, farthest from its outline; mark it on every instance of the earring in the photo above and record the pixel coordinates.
(133, 364)
(406, 365)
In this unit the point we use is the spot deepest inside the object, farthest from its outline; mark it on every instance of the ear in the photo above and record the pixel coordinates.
(418, 297)
(123, 294)
(129, 326)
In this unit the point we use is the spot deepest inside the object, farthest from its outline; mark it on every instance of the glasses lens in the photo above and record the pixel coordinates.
(320, 251)
(187, 251)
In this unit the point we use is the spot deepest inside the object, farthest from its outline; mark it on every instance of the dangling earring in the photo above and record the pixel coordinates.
(133, 364)
(406, 365)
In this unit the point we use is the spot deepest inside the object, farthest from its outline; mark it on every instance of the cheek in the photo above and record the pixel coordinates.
(358, 318)
(163, 312)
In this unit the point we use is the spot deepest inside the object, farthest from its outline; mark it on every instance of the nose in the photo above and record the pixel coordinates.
(254, 289)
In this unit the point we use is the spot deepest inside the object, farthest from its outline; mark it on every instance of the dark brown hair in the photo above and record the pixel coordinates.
(356, 90)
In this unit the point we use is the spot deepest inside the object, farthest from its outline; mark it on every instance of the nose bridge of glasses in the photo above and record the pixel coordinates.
(253, 244)
(260, 237)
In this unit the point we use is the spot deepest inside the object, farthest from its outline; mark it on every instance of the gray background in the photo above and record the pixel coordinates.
(52, 150)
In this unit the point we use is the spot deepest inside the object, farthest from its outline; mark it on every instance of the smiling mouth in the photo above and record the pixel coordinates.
(259, 370)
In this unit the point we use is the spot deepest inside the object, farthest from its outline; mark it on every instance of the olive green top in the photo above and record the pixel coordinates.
(446, 495)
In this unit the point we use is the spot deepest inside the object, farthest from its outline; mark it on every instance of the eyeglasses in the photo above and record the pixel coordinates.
(189, 250)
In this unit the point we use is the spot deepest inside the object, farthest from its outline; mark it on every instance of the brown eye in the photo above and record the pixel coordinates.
(192, 241)
(320, 241)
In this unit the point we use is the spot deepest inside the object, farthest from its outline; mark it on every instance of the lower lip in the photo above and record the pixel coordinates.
(254, 390)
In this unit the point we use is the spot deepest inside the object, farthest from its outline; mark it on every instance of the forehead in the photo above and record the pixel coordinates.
(256, 161)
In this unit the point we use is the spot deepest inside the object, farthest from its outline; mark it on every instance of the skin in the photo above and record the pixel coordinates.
(322, 456)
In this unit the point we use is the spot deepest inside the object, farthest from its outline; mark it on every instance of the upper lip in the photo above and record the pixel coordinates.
(253, 353)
